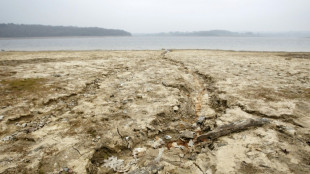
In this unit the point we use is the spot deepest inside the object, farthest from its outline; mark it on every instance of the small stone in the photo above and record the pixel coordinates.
(24, 125)
(149, 89)
(139, 95)
(168, 137)
(156, 144)
(175, 145)
(175, 108)
(138, 152)
(57, 75)
(1, 117)
(201, 119)
(190, 143)
(66, 169)
(187, 134)
(221, 144)
(181, 155)
(8, 138)
(98, 137)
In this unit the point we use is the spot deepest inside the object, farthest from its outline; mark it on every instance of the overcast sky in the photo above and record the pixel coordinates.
(149, 16)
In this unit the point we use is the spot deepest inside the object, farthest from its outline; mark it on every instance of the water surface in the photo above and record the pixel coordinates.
(156, 43)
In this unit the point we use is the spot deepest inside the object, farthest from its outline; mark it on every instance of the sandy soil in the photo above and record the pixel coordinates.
(142, 111)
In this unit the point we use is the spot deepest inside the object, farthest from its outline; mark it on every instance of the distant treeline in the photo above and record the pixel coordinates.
(205, 33)
(14, 30)
(226, 33)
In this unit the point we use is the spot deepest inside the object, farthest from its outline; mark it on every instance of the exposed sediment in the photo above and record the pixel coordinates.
(173, 111)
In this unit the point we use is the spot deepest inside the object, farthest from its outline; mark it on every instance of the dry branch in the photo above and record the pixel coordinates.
(231, 128)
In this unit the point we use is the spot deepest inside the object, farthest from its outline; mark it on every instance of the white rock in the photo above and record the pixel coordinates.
(1, 117)
(168, 137)
(191, 143)
(138, 152)
(175, 145)
(158, 143)
(139, 96)
(175, 108)
(7, 138)
(24, 124)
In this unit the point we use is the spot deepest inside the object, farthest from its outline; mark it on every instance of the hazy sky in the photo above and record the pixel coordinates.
(145, 16)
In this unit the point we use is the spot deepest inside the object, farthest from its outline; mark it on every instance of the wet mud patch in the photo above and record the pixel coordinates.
(296, 55)
(27, 61)
(28, 89)
(102, 154)
(269, 94)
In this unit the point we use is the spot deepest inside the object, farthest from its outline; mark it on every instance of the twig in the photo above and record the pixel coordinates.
(77, 150)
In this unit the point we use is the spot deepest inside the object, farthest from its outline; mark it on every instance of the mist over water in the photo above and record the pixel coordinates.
(156, 43)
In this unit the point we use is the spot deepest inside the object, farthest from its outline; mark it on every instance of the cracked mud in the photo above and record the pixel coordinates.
(173, 111)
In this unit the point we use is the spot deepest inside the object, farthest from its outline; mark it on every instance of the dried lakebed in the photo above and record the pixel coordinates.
(175, 111)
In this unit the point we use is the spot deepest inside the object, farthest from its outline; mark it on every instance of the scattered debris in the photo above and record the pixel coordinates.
(114, 163)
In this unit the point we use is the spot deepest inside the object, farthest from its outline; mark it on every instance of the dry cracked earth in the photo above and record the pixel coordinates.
(140, 112)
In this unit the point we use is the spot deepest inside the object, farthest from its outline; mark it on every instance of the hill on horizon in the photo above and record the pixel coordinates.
(22, 30)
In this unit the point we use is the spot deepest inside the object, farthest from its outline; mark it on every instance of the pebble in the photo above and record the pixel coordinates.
(24, 125)
(57, 75)
(66, 169)
(181, 155)
(175, 145)
(7, 138)
(139, 95)
(175, 108)
(187, 134)
(190, 143)
(201, 119)
(1, 117)
(158, 143)
(168, 137)
(138, 152)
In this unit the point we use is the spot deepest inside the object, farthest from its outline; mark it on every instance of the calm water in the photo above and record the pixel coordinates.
(155, 43)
